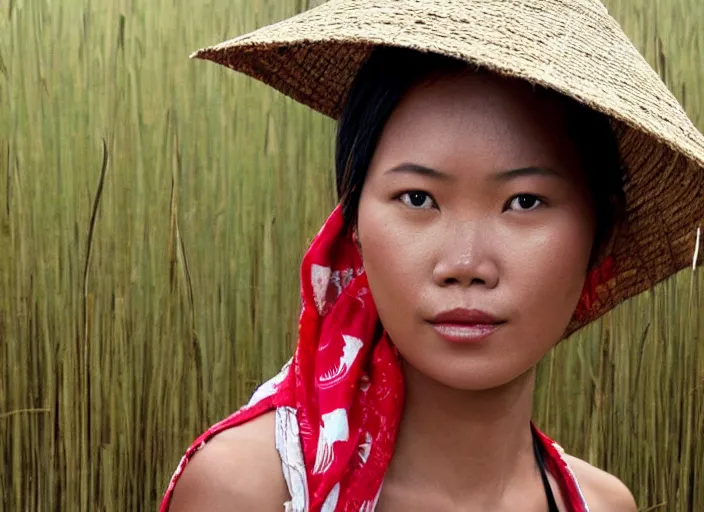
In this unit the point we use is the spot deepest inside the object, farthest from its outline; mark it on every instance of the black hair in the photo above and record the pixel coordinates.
(388, 74)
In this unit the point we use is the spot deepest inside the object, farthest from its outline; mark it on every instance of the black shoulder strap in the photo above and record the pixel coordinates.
(538, 450)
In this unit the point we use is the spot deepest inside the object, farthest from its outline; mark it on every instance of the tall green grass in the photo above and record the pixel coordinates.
(153, 212)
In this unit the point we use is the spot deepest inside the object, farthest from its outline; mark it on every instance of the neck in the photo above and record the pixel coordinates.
(464, 443)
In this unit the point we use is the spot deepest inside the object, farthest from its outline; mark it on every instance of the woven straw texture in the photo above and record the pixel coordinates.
(571, 46)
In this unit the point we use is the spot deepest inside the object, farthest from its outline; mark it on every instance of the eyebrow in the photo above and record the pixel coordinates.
(421, 170)
(527, 171)
(502, 176)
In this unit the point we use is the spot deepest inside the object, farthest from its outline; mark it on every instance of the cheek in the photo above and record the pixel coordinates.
(550, 277)
(395, 260)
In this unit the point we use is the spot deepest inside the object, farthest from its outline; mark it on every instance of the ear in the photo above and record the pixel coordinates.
(355, 239)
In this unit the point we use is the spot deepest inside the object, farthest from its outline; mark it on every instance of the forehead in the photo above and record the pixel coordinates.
(479, 116)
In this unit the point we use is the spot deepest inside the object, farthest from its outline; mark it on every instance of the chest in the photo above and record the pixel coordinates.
(393, 497)
(399, 498)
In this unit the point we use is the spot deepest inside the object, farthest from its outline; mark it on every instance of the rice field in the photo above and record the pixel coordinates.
(153, 213)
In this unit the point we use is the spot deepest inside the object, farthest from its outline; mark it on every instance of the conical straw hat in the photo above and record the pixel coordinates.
(571, 46)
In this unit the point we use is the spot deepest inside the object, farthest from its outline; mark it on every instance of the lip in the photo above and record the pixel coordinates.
(465, 316)
(462, 325)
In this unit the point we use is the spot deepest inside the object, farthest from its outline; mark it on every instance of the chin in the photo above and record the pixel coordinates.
(466, 375)
(487, 365)
(481, 381)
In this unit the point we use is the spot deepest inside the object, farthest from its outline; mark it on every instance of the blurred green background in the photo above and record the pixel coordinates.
(126, 333)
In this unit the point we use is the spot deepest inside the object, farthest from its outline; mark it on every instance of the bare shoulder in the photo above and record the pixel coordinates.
(238, 470)
(602, 490)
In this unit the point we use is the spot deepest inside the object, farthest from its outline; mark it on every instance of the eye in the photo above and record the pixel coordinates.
(525, 202)
(417, 199)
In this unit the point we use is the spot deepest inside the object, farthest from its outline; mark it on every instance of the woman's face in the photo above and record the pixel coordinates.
(475, 200)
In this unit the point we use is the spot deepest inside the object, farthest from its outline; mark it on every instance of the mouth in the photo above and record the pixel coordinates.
(465, 325)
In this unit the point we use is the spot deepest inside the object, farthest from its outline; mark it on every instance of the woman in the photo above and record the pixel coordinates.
(473, 205)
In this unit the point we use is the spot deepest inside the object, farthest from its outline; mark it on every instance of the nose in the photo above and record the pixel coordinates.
(468, 257)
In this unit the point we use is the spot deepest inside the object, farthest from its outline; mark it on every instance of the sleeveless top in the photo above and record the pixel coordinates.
(338, 400)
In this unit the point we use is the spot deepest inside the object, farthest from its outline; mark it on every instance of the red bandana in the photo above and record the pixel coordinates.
(345, 384)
